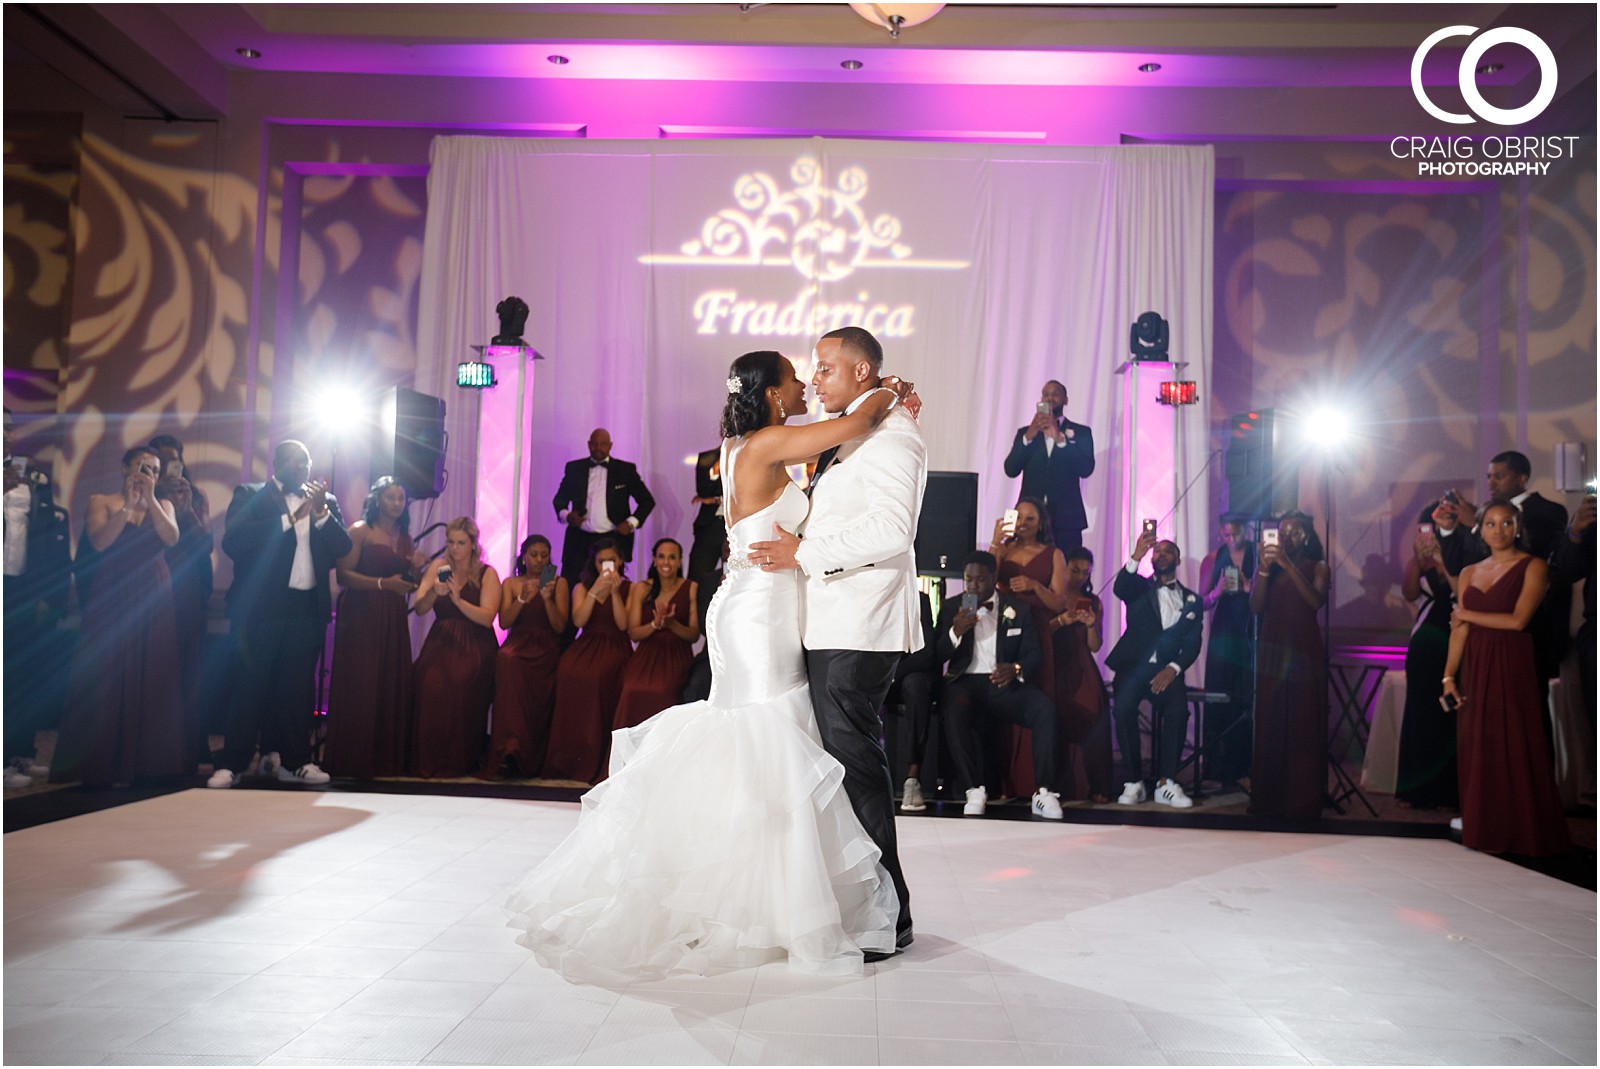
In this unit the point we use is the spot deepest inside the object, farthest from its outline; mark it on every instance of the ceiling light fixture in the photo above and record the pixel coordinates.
(248, 53)
(851, 64)
(896, 17)
(1491, 68)
(1149, 68)
(560, 61)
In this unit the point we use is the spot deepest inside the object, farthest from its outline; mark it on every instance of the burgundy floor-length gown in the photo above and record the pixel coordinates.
(454, 685)
(124, 714)
(1289, 774)
(1085, 710)
(524, 691)
(1017, 771)
(369, 695)
(657, 671)
(1509, 800)
(588, 685)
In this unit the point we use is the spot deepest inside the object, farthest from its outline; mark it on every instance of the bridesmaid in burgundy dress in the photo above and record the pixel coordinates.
(1509, 800)
(1289, 774)
(534, 607)
(664, 621)
(1081, 694)
(369, 697)
(1033, 571)
(124, 714)
(589, 678)
(454, 674)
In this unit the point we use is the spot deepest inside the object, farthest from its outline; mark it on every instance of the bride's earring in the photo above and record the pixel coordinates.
(783, 413)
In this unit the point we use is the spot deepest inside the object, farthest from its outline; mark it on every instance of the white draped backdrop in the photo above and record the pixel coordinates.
(984, 269)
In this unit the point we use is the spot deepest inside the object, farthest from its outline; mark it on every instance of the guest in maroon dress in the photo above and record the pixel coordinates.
(1289, 774)
(1509, 800)
(1081, 693)
(534, 607)
(1031, 570)
(189, 563)
(453, 683)
(664, 620)
(589, 678)
(369, 697)
(124, 715)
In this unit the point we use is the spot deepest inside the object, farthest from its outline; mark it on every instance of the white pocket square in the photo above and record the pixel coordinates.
(1013, 631)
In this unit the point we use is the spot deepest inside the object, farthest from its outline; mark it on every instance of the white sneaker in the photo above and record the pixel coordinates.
(911, 800)
(15, 778)
(1455, 823)
(221, 779)
(1132, 793)
(33, 768)
(271, 764)
(1169, 793)
(1047, 804)
(308, 774)
(977, 802)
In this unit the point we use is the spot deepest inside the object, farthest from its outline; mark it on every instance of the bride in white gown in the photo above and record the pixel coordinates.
(723, 837)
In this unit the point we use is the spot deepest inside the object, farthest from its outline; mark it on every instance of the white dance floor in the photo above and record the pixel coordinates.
(287, 928)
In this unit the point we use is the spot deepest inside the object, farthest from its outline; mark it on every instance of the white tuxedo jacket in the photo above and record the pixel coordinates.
(860, 569)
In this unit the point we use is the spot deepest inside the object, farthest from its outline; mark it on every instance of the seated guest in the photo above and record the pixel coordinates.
(369, 694)
(124, 714)
(453, 684)
(993, 651)
(915, 679)
(534, 608)
(589, 677)
(1426, 774)
(1161, 642)
(664, 620)
(1289, 776)
(1081, 693)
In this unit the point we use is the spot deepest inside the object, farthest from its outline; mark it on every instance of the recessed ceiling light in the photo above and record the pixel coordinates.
(248, 53)
(560, 61)
(1491, 68)
(1149, 68)
(851, 64)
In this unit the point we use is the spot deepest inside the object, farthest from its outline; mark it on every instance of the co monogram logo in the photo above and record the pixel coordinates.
(1469, 72)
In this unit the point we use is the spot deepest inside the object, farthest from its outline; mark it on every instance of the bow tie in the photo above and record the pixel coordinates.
(593, 463)
(988, 605)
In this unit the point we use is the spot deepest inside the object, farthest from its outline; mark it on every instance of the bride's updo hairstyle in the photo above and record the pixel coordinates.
(748, 380)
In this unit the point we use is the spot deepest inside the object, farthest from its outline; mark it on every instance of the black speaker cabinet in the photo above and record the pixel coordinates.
(1263, 471)
(411, 442)
(947, 530)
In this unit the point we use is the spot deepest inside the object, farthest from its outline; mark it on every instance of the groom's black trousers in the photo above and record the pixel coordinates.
(847, 689)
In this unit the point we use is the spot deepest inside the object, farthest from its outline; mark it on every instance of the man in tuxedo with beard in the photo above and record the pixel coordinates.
(599, 496)
(284, 537)
(1052, 454)
(1161, 642)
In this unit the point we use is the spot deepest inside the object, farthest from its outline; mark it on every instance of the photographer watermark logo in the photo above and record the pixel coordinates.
(821, 232)
(1468, 75)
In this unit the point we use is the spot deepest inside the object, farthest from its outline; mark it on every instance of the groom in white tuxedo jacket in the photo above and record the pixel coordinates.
(859, 605)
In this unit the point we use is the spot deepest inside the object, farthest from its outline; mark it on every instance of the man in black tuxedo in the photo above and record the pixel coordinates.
(1545, 528)
(993, 653)
(710, 529)
(1161, 642)
(599, 495)
(284, 537)
(1052, 454)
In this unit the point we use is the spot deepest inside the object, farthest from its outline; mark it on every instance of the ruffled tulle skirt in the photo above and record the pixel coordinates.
(722, 839)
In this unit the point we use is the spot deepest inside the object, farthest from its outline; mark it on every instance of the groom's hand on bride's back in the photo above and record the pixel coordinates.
(776, 555)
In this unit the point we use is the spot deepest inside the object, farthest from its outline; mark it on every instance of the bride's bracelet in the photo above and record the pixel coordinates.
(894, 398)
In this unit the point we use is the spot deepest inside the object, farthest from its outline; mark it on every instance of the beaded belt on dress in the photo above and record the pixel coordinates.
(738, 562)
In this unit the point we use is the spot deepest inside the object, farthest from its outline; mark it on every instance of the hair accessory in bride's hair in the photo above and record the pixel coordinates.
(734, 385)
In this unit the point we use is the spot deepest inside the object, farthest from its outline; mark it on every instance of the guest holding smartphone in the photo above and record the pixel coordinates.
(1230, 664)
(535, 605)
(454, 674)
(1077, 636)
(1426, 773)
(589, 678)
(369, 696)
(665, 622)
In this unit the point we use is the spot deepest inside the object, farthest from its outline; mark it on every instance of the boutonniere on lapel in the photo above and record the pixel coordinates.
(1010, 613)
(1189, 599)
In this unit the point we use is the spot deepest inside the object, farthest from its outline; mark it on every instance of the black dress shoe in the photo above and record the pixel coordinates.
(870, 956)
(903, 938)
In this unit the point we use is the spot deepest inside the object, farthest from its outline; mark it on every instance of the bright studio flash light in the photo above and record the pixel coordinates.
(1326, 427)
(339, 408)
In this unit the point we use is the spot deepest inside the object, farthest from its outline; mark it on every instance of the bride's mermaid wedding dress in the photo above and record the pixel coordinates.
(723, 837)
